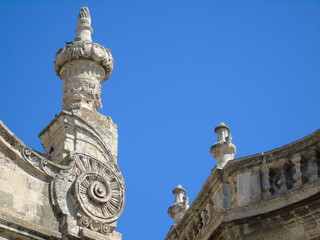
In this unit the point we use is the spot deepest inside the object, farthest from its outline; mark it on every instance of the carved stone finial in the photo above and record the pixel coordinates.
(181, 204)
(223, 150)
(84, 29)
(84, 13)
(83, 65)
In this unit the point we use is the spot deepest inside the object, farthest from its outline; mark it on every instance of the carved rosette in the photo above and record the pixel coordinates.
(99, 195)
(98, 190)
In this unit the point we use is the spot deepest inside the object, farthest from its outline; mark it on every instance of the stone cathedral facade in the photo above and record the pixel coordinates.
(75, 189)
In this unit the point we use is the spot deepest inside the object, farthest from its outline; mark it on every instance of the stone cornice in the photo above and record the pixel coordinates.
(13, 144)
(26, 230)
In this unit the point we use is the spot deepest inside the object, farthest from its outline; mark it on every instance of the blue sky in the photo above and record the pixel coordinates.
(181, 68)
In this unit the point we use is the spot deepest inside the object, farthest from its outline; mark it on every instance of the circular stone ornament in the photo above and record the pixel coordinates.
(100, 195)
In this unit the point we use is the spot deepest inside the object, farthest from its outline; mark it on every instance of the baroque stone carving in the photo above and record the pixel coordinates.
(52, 169)
(81, 91)
(180, 206)
(98, 190)
(95, 225)
(83, 65)
(84, 48)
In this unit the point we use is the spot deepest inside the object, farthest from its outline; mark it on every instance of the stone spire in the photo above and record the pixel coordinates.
(82, 65)
(81, 144)
(180, 206)
(223, 150)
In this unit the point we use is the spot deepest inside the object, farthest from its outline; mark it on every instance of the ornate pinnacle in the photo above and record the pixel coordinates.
(84, 29)
(83, 65)
(223, 150)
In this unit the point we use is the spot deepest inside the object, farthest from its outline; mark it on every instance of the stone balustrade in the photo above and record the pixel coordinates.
(252, 186)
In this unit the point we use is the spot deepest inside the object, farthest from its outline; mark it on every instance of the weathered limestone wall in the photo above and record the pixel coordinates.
(24, 195)
(85, 130)
(299, 221)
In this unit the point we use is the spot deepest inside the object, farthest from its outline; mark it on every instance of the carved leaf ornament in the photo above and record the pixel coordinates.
(84, 50)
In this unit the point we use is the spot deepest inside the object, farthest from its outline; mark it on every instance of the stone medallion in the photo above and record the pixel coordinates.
(98, 190)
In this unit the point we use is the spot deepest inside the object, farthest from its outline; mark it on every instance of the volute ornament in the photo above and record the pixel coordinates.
(98, 190)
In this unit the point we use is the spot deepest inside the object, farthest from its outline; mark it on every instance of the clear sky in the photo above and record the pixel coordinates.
(181, 68)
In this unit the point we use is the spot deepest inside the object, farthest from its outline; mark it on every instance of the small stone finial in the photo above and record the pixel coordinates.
(181, 204)
(84, 29)
(223, 150)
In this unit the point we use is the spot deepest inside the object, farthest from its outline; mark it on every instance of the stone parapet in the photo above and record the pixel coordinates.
(284, 181)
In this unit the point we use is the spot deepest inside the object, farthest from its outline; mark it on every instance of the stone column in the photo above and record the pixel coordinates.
(283, 181)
